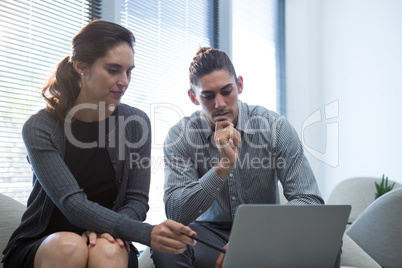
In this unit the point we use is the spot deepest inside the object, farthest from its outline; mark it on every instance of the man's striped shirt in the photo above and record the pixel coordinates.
(270, 151)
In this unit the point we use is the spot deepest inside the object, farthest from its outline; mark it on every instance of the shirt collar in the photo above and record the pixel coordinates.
(244, 118)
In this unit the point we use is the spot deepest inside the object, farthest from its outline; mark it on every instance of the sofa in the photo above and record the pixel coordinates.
(373, 237)
(11, 213)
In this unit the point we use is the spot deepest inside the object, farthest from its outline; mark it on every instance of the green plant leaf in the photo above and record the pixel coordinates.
(383, 187)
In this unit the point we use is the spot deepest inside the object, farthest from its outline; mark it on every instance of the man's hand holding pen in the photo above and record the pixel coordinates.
(219, 261)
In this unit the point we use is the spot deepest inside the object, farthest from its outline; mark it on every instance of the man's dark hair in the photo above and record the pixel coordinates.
(206, 61)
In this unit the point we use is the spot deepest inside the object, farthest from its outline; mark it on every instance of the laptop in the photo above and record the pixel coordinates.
(286, 236)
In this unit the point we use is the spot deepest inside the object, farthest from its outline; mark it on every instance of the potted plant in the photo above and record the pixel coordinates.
(383, 187)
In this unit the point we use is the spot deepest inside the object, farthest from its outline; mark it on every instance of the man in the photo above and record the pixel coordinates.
(227, 154)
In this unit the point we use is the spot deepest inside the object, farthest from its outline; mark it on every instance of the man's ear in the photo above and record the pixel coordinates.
(79, 66)
(192, 96)
(240, 84)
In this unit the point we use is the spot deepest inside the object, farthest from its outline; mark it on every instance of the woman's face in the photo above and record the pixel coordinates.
(108, 78)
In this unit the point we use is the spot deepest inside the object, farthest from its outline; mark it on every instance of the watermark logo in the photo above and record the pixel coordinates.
(331, 154)
(118, 134)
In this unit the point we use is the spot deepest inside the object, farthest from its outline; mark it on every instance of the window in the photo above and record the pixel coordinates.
(34, 37)
(257, 47)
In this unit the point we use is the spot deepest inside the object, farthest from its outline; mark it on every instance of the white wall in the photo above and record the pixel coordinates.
(346, 55)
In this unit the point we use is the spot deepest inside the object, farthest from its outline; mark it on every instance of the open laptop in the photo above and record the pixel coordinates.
(286, 236)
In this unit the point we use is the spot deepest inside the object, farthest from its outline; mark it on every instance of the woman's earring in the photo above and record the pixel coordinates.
(82, 74)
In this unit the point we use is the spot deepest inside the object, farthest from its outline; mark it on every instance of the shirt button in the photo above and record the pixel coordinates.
(113, 162)
(233, 198)
(119, 181)
(230, 175)
(218, 189)
(200, 211)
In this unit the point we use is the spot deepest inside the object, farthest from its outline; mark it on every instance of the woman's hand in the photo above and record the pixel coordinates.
(172, 237)
(91, 237)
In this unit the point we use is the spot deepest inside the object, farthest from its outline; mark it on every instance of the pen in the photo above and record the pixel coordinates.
(196, 238)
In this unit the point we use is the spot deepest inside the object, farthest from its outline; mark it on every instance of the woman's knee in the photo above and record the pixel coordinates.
(70, 243)
(62, 248)
(105, 252)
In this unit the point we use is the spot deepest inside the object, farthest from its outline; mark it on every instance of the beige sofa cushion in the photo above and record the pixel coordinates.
(11, 213)
(355, 256)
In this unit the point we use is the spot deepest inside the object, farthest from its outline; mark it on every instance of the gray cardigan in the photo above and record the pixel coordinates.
(129, 147)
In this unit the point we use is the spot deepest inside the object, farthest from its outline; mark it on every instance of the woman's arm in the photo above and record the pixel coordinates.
(137, 163)
(45, 141)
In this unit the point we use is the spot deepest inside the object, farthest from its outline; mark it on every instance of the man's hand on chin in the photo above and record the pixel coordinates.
(227, 140)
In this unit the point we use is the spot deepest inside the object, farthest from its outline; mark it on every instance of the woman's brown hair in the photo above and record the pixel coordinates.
(91, 43)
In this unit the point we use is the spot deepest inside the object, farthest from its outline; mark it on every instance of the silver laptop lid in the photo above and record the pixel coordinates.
(286, 236)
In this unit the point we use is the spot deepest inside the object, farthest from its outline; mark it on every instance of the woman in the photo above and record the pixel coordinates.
(90, 160)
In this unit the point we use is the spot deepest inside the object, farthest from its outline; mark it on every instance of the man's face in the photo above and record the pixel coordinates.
(217, 94)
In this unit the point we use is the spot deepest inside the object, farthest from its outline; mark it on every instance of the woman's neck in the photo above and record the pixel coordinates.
(89, 112)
